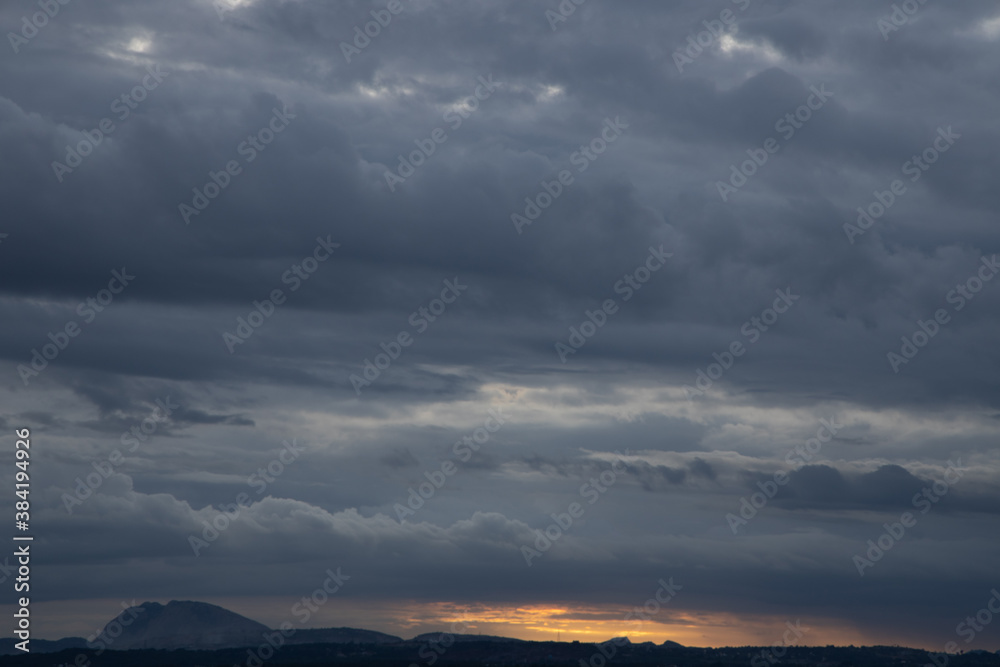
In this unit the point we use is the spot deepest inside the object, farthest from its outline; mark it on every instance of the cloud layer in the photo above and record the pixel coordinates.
(292, 230)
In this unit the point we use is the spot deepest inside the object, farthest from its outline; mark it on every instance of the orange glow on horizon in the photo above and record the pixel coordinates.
(600, 623)
(537, 622)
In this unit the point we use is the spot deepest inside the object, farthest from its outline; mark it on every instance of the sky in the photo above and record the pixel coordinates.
(520, 314)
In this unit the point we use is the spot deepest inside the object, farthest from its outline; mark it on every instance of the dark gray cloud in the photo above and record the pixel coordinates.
(366, 365)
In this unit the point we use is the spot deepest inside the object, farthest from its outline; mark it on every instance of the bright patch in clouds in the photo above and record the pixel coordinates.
(730, 45)
(139, 44)
(990, 28)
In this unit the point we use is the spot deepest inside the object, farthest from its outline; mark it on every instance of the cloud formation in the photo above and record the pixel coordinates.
(285, 173)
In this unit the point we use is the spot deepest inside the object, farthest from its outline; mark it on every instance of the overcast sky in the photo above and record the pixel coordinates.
(689, 173)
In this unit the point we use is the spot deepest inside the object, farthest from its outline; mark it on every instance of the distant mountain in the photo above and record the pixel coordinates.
(41, 645)
(618, 641)
(341, 636)
(199, 626)
(187, 625)
(194, 626)
(210, 635)
(435, 636)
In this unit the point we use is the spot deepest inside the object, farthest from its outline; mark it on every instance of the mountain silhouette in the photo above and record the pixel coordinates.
(341, 636)
(191, 634)
(203, 626)
(436, 636)
(182, 624)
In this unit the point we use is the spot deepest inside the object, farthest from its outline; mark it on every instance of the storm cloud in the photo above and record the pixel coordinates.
(367, 228)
